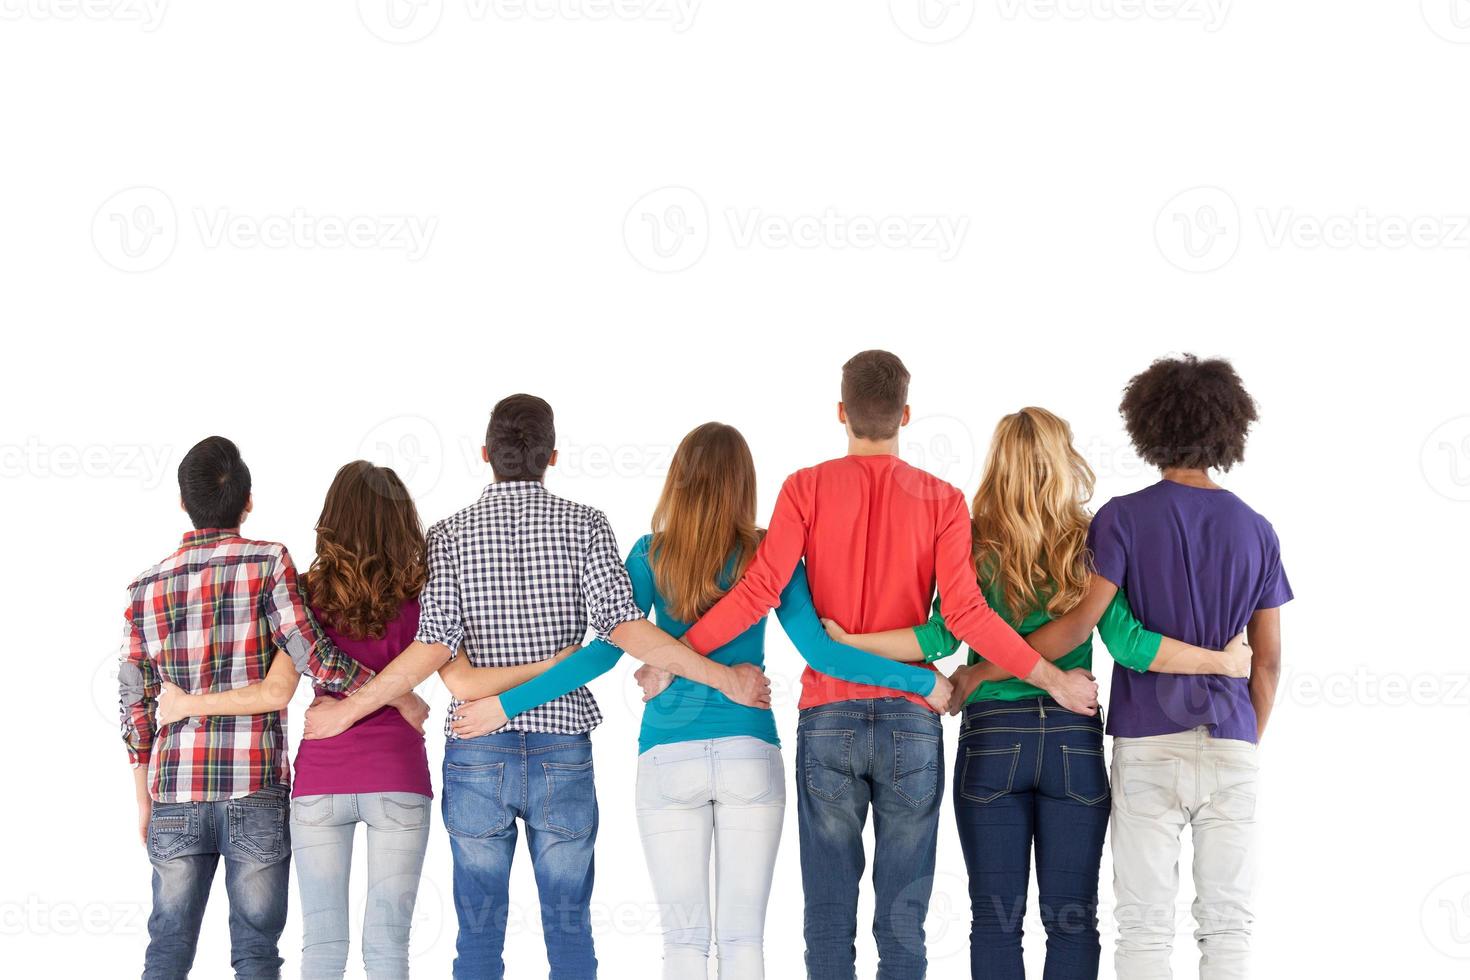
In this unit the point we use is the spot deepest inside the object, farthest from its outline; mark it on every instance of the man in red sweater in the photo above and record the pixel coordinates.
(878, 535)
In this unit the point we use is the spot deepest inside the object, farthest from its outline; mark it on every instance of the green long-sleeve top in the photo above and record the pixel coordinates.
(687, 710)
(1127, 641)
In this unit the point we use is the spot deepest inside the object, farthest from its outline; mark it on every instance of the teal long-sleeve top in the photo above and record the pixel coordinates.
(687, 710)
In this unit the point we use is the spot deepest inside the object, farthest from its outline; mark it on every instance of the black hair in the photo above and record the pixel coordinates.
(214, 483)
(1188, 413)
(520, 438)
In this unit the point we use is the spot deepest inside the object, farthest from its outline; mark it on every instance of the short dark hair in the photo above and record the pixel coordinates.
(214, 483)
(875, 389)
(521, 437)
(1188, 413)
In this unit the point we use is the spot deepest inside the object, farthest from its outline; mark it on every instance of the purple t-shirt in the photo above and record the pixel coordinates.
(382, 753)
(1196, 564)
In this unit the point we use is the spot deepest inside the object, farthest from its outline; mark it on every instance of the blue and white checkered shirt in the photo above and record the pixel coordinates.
(517, 576)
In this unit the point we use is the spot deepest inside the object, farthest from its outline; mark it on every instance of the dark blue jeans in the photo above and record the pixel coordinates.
(1030, 773)
(185, 844)
(887, 754)
(545, 780)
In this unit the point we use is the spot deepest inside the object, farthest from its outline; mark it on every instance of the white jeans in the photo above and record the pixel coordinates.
(1160, 785)
(725, 794)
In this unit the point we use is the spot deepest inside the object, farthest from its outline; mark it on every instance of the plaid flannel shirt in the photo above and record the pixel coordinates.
(517, 576)
(210, 617)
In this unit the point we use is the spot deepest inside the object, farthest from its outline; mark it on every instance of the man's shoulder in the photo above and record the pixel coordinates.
(189, 556)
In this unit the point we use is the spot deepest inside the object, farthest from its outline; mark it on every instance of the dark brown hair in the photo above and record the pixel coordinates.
(369, 551)
(1188, 413)
(875, 389)
(705, 515)
(520, 438)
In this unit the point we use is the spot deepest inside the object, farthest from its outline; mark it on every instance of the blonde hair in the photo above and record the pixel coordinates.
(705, 515)
(1030, 515)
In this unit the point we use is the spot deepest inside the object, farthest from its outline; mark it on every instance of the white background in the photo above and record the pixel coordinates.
(204, 212)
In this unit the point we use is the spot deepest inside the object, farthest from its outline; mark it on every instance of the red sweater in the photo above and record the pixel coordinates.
(878, 536)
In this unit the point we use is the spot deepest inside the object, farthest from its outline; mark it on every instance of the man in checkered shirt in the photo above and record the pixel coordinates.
(514, 578)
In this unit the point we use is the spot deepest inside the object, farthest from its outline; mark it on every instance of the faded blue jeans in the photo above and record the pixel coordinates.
(886, 754)
(545, 781)
(185, 844)
(322, 828)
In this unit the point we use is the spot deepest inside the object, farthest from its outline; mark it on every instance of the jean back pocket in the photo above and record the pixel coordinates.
(916, 766)
(173, 828)
(989, 773)
(571, 799)
(473, 806)
(1084, 774)
(826, 761)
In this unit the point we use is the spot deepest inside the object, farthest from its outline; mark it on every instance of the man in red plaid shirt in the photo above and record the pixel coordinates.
(211, 617)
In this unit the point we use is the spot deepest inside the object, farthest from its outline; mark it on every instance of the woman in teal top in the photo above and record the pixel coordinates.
(1029, 771)
(710, 775)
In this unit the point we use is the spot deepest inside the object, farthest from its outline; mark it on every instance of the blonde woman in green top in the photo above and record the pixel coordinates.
(1029, 772)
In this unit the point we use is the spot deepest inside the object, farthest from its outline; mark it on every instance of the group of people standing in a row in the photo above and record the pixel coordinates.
(498, 599)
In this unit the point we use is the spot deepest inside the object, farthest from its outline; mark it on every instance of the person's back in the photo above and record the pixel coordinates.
(872, 528)
(520, 561)
(1199, 565)
(1196, 562)
(213, 616)
(878, 536)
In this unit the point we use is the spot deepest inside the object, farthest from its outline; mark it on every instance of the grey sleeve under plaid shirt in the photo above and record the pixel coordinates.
(516, 577)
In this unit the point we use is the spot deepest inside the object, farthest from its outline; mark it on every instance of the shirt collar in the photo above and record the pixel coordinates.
(514, 487)
(209, 535)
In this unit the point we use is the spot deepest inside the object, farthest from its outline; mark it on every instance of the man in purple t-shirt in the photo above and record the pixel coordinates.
(1199, 565)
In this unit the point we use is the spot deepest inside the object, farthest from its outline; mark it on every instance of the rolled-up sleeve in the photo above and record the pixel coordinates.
(440, 617)
(606, 588)
(138, 690)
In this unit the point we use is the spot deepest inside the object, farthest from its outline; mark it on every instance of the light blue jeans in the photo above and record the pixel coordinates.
(322, 828)
(720, 795)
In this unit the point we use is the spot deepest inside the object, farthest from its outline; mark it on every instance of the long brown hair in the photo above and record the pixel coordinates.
(370, 551)
(705, 515)
(1030, 515)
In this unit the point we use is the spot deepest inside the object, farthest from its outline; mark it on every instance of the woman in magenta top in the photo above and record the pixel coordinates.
(363, 589)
